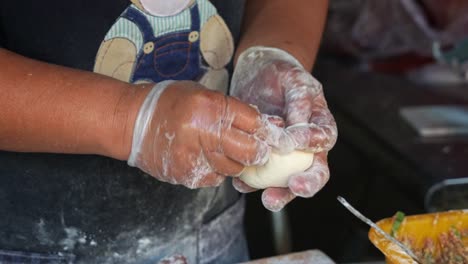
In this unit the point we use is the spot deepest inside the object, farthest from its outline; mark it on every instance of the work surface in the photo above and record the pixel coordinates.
(367, 107)
(306, 257)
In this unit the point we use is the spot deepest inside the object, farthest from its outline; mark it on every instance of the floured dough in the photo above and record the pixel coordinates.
(277, 170)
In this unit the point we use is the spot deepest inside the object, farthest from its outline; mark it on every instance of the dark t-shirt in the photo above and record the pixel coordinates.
(46, 198)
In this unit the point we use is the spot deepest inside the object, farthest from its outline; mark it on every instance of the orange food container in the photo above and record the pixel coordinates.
(420, 231)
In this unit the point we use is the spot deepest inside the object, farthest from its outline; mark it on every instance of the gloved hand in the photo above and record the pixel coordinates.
(278, 84)
(185, 134)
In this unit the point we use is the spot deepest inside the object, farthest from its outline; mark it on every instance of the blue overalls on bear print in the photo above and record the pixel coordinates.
(173, 56)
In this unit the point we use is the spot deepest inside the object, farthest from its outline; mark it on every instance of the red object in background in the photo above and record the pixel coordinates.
(441, 14)
(400, 64)
(444, 12)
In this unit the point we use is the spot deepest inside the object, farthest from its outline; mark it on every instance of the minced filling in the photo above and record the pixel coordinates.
(447, 248)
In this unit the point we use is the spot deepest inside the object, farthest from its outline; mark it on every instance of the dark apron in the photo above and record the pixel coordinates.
(93, 209)
(173, 56)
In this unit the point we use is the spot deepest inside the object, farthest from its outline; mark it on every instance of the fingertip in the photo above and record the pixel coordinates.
(224, 165)
(241, 186)
(244, 148)
(313, 137)
(275, 199)
(271, 204)
(258, 156)
(246, 117)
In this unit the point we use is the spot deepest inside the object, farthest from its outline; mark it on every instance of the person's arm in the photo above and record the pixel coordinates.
(49, 108)
(295, 26)
(178, 132)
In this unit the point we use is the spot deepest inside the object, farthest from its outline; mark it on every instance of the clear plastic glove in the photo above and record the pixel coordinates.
(278, 84)
(185, 134)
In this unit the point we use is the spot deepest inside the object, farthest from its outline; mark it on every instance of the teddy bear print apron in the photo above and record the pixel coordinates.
(154, 41)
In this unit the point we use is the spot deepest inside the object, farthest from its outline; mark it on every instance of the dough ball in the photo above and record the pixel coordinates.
(276, 172)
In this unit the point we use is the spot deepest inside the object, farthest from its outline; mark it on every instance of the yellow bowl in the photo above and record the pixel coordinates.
(420, 231)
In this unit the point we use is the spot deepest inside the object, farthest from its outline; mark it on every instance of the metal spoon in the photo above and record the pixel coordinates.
(378, 229)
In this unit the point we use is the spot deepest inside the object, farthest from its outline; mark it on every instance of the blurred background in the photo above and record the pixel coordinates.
(395, 73)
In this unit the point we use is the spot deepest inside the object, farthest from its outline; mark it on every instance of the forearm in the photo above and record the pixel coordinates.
(49, 108)
(295, 26)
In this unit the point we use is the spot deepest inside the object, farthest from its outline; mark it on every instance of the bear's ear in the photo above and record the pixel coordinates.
(163, 8)
(137, 4)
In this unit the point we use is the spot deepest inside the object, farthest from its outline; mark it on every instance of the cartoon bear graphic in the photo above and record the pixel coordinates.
(158, 40)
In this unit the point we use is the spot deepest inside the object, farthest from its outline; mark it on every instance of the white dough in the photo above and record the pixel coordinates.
(276, 172)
